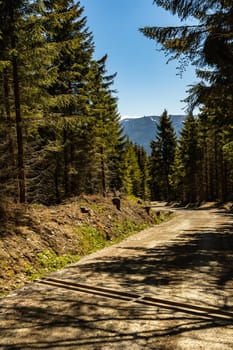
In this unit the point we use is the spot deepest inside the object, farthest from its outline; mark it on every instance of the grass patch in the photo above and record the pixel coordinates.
(48, 261)
(90, 239)
(125, 229)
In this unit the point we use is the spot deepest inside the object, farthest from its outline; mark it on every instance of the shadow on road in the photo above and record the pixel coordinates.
(207, 252)
(67, 320)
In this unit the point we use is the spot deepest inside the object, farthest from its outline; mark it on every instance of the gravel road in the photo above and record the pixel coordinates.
(187, 260)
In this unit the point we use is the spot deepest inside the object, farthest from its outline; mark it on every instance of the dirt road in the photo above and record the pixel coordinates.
(187, 261)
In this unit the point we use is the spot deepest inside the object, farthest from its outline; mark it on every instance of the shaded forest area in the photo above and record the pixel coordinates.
(60, 134)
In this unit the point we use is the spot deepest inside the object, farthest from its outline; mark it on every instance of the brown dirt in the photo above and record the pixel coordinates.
(33, 229)
(188, 259)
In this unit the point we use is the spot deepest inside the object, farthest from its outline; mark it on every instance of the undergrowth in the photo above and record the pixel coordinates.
(90, 239)
(48, 261)
(101, 227)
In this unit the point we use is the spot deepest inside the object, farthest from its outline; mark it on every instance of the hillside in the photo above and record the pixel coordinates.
(143, 130)
(36, 239)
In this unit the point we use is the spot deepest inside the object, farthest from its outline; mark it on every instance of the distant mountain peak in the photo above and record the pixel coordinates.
(142, 130)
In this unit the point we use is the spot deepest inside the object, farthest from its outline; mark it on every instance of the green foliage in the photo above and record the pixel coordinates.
(207, 45)
(187, 162)
(90, 239)
(48, 261)
(143, 162)
(207, 42)
(162, 160)
(228, 151)
(59, 125)
(134, 171)
(125, 229)
(130, 171)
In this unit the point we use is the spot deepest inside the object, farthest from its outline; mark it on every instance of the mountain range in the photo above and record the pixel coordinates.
(143, 130)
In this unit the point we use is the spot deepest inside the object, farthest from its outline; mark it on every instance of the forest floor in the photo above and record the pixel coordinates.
(37, 239)
(168, 287)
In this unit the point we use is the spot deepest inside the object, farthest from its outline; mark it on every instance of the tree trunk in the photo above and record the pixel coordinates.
(19, 132)
(66, 164)
(103, 173)
(11, 159)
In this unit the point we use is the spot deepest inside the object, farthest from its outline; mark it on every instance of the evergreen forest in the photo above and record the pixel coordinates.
(200, 165)
(60, 132)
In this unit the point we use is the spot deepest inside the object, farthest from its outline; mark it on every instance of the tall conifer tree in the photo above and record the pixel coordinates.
(189, 158)
(208, 45)
(108, 139)
(66, 105)
(162, 159)
(11, 19)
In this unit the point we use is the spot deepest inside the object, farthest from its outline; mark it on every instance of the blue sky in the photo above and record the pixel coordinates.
(145, 83)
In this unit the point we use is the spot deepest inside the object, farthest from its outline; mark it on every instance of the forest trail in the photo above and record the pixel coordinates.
(187, 260)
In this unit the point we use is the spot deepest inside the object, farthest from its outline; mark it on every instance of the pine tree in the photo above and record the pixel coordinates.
(23, 73)
(209, 42)
(130, 171)
(143, 162)
(67, 137)
(189, 159)
(162, 159)
(16, 58)
(67, 100)
(80, 108)
(107, 138)
(216, 169)
(10, 20)
(155, 171)
(208, 45)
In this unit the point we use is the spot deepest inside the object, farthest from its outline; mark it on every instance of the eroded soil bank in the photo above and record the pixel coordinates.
(36, 239)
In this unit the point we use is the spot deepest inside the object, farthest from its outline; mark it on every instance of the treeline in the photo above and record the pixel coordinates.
(196, 167)
(60, 134)
(201, 168)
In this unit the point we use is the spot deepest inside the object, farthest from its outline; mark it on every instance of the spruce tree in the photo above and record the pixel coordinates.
(189, 158)
(80, 108)
(143, 162)
(163, 156)
(207, 44)
(215, 167)
(67, 99)
(23, 66)
(59, 100)
(130, 171)
(10, 21)
(19, 62)
(155, 171)
(107, 138)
